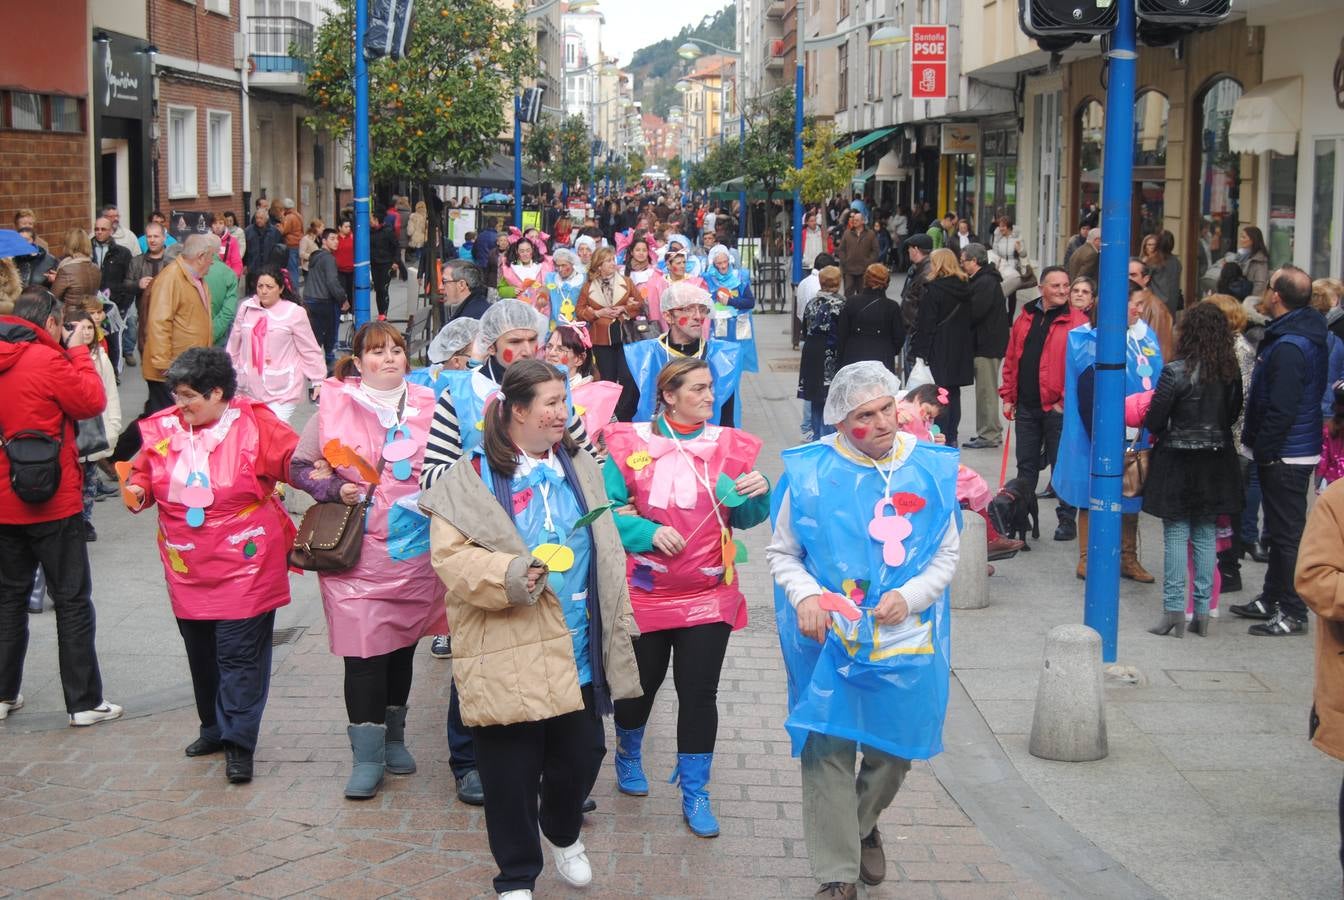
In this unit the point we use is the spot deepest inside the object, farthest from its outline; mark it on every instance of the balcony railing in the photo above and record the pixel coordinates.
(272, 40)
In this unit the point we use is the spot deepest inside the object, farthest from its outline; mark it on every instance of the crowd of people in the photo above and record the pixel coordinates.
(553, 495)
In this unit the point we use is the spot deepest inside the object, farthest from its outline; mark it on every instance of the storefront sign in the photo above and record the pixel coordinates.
(185, 223)
(122, 75)
(928, 62)
(958, 139)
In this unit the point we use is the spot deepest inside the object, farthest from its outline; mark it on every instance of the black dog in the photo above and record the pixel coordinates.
(1014, 510)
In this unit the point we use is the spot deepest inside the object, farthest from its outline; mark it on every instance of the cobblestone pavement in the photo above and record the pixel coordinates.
(118, 809)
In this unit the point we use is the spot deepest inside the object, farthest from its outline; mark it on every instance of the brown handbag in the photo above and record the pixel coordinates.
(330, 536)
(1136, 471)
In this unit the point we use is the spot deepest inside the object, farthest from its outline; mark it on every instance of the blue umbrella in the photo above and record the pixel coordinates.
(14, 244)
(495, 197)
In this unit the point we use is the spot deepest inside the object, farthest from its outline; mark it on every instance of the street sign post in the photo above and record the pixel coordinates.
(928, 62)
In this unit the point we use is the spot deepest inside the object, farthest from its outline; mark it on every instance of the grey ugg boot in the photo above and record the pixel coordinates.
(399, 759)
(368, 743)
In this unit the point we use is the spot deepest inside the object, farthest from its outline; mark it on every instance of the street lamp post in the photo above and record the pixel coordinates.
(363, 281)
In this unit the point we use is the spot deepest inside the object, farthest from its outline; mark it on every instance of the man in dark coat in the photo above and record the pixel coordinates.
(989, 334)
(384, 258)
(856, 250)
(262, 239)
(943, 340)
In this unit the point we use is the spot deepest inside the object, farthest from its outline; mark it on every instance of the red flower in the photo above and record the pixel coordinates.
(907, 503)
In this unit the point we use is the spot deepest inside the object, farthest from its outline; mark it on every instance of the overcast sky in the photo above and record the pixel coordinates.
(632, 24)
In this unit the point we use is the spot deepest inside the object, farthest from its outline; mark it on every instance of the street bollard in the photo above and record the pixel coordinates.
(969, 582)
(1070, 720)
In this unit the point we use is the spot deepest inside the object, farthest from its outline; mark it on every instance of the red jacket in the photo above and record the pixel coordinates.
(1052, 354)
(345, 253)
(46, 389)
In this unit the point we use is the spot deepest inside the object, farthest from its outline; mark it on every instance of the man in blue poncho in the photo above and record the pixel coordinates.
(865, 544)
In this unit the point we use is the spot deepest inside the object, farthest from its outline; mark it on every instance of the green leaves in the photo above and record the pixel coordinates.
(443, 106)
(561, 150)
(826, 171)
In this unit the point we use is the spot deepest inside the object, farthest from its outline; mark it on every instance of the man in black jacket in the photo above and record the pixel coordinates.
(989, 326)
(262, 239)
(115, 261)
(464, 290)
(384, 257)
(917, 247)
(323, 295)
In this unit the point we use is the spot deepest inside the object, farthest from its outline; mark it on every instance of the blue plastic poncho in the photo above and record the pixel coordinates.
(646, 359)
(407, 529)
(1072, 477)
(885, 687)
(730, 316)
(433, 376)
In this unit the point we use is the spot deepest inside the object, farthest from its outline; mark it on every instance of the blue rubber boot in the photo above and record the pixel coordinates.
(693, 772)
(630, 762)
(368, 744)
(399, 759)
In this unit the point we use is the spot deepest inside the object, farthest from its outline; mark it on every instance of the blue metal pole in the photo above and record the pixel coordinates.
(518, 162)
(1102, 598)
(363, 281)
(741, 195)
(592, 176)
(797, 164)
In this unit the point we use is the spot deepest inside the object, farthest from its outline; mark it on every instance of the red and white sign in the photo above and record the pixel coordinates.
(928, 62)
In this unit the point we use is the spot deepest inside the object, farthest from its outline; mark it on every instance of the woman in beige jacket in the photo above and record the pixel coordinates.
(77, 277)
(606, 300)
(541, 621)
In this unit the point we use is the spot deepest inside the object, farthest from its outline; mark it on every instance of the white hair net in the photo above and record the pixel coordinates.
(585, 240)
(507, 315)
(452, 338)
(856, 384)
(681, 294)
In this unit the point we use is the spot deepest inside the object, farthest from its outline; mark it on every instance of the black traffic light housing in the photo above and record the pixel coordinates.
(1057, 24)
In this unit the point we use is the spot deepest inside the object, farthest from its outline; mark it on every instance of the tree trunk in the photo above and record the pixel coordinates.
(433, 251)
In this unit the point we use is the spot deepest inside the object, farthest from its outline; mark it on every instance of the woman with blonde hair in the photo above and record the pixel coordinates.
(943, 334)
(1229, 560)
(78, 278)
(870, 325)
(417, 233)
(608, 299)
(309, 244)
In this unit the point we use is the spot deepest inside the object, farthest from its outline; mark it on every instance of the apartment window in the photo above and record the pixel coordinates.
(841, 9)
(181, 152)
(65, 115)
(25, 111)
(343, 178)
(842, 77)
(218, 6)
(219, 153)
(875, 57)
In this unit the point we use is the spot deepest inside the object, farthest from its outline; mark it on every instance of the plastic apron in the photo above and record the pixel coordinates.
(883, 686)
(470, 389)
(691, 588)
(646, 359)
(594, 402)
(530, 517)
(729, 322)
(1072, 478)
(243, 543)
(433, 377)
(391, 597)
(532, 291)
(564, 297)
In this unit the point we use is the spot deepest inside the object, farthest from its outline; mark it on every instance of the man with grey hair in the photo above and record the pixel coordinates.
(223, 284)
(121, 235)
(989, 335)
(176, 317)
(1084, 261)
(464, 290)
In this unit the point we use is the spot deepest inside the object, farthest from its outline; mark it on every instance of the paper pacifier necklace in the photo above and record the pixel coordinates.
(196, 493)
(398, 450)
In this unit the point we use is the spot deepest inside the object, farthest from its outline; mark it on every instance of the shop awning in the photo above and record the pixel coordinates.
(1267, 118)
(861, 178)
(868, 138)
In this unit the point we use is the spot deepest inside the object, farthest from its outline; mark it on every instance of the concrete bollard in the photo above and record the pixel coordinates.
(969, 589)
(1070, 720)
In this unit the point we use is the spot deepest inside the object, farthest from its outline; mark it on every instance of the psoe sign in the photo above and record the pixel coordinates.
(928, 43)
(928, 62)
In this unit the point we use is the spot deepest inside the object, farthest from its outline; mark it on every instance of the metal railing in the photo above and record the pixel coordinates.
(272, 39)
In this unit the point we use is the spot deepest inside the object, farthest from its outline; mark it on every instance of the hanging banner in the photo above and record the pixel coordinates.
(928, 62)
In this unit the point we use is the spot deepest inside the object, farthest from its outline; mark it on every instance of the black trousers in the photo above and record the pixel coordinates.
(1038, 438)
(611, 366)
(374, 683)
(382, 280)
(950, 419)
(697, 658)
(324, 317)
(1283, 490)
(461, 748)
(128, 444)
(230, 662)
(59, 547)
(536, 774)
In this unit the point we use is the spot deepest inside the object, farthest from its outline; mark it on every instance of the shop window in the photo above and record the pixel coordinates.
(1323, 222)
(181, 153)
(25, 111)
(1089, 135)
(1150, 165)
(1218, 179)
(1282, 232)
(219, 153)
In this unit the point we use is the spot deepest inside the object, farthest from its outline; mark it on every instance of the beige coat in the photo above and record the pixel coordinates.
(513, 659)
(1320, 582)
(177, 318)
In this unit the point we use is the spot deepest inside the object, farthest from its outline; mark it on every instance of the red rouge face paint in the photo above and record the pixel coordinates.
(508, 356)
(682, 321)
(859, 433)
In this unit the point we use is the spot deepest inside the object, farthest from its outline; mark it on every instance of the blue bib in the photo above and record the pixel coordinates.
(646, 359)
(883, 686)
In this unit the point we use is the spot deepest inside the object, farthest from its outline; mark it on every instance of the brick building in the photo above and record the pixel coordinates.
(45, 159)
(199, 113)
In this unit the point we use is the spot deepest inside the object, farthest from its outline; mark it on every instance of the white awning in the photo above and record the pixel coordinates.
(1268, 118)
(889, 168)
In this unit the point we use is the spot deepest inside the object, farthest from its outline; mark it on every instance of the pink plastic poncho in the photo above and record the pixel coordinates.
(382, 604)
(686, 589)
(234, 564)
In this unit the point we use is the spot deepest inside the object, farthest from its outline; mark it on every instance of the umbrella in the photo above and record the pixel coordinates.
(496, 197)
(14, 244)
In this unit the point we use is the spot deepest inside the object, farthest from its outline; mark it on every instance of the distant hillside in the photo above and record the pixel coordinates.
(657, 67)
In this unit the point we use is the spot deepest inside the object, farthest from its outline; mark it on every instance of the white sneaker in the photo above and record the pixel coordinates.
(572, 864)
(103, 712)
(7, 706)
(516, 895)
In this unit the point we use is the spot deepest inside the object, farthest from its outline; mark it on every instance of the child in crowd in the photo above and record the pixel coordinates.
(1331, 466)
